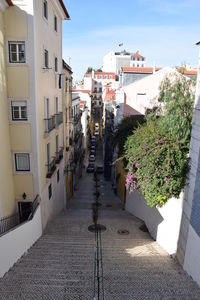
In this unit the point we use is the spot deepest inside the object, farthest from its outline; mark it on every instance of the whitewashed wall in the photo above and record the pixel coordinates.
(163, 223)
(16, 242)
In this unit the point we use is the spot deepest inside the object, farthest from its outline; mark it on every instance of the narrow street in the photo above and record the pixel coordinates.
(61, 263)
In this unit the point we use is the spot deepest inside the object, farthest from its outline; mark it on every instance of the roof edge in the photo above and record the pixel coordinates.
(64, 9)
(10, 2)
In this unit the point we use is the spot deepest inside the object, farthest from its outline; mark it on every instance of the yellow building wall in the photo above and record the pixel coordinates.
(16, 23)
(69, 185)
(24, 184)
(47, 81)
(20, 137)
(18, 81)
(7, 199)
(120, 180)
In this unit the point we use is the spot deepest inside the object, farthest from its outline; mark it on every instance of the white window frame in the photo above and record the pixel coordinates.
(16, 160)
(19, 104)
(17, 43)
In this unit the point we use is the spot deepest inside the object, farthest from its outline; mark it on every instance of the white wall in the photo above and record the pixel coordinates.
(163, 223)
(192, 262)
(54, 205)
(16, 242)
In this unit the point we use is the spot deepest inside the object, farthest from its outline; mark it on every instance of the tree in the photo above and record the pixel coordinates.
(126, 128)
(178, 98)
(157, 152)
(89, 70)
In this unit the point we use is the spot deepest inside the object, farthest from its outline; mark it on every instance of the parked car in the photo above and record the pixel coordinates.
(91, 158)
(92, 147)
(96, 133)
(90, 168)
(93, 143)
(92, 152)
(99, 169)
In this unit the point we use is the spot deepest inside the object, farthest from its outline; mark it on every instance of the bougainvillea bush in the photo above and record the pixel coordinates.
(157, 155)
(157, 164)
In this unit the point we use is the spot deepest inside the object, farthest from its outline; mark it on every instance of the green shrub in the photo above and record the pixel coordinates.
(157, 152)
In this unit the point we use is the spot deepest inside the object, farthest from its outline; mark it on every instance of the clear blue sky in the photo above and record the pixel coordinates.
(164, 31)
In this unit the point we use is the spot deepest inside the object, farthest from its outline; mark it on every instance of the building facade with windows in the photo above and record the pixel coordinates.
(7, 187)
(32, 40)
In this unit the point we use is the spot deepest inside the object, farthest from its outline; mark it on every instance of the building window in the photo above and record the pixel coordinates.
(57, 144)
(110, 76)
(19, 110)
(48, 154)
(50, 191)
(22, 162)
(100, 76)
(55, 24)
(105, 77)
(45, 9)
(17, 52)
(58, 176)
(56, 64)
(56, 105)
(46, 58)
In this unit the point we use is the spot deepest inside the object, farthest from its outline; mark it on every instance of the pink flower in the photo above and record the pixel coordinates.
(167, 179)
(136, 165)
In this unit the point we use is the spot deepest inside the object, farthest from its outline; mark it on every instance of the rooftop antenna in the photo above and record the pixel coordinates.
(70, 60)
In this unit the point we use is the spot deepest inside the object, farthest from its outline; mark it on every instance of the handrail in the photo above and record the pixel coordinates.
(10, 222)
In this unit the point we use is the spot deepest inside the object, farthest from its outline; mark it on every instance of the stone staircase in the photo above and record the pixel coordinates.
(61, 263)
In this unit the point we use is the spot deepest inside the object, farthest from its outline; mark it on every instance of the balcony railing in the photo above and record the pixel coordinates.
(59, 119)
(51, 167)
(10, 222)
(49, 124)
(76, 118)
(77, 136)
(59, 155)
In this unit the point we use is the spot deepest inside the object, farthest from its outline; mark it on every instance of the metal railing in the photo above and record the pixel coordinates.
(59, 155)
(35, 204)
(59, 119)
(51, 167)
(76, 118)
(10, 222)
(50, 124)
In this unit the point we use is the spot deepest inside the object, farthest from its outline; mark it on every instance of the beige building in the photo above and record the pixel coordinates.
(68, 130)
(32, 131)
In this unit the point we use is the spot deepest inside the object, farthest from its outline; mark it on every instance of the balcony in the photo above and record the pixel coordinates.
(77, 136)
(59, 155)
(58, 119)
(51, 167)
(49, 124)
(76, 118)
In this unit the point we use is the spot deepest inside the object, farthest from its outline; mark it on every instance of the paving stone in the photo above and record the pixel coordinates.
(60, 265)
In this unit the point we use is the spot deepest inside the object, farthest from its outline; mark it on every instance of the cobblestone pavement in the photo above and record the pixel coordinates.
(61, 263)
